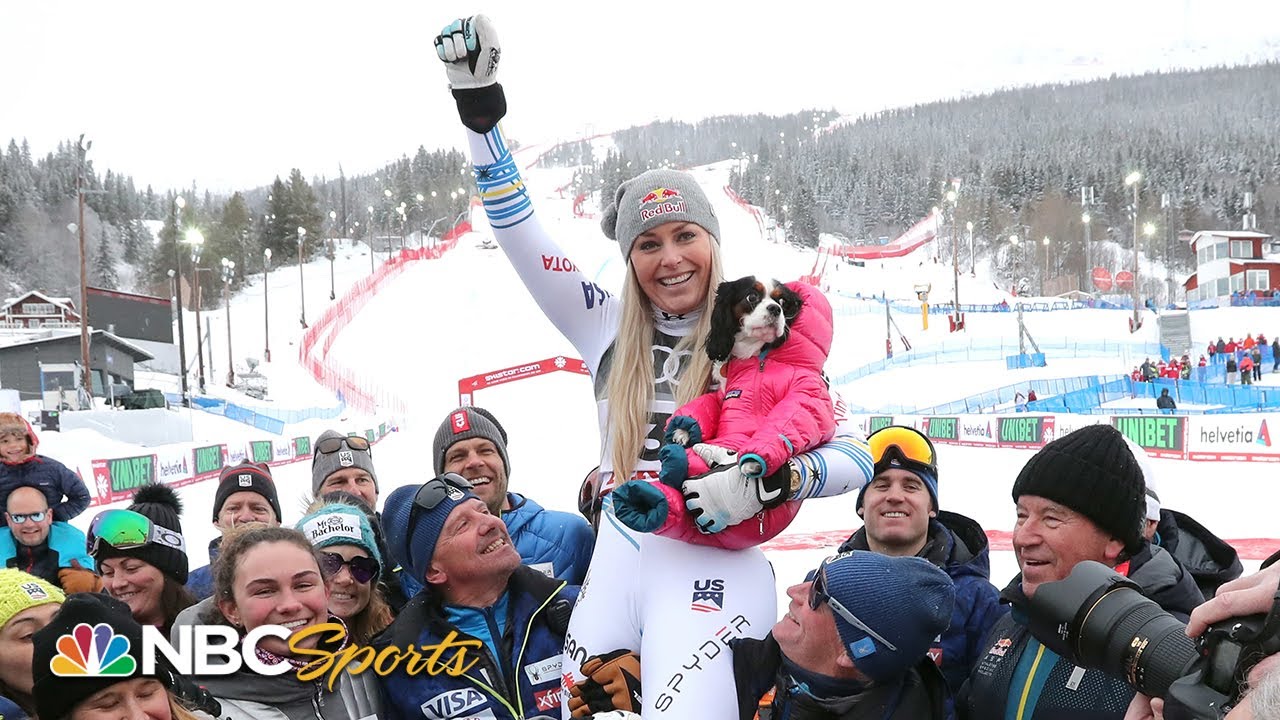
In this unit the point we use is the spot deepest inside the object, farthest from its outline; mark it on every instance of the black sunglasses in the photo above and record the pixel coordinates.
(818, 595)
(363, 569)
(434, 491)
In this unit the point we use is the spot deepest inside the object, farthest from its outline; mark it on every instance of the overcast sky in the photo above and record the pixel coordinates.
(229, 94)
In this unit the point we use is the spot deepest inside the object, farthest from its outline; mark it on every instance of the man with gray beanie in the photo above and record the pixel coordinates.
(1081, 497)
(344, 464)
(854, 643)
(474, 586)
(472, 443)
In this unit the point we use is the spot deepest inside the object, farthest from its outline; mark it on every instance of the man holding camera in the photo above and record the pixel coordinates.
(1082, 497)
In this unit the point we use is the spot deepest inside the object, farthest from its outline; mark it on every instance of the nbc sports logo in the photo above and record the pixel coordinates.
(95, 650)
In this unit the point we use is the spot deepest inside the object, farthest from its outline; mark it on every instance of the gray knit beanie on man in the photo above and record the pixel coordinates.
(325, 464)
(466, 423)
(652, 198)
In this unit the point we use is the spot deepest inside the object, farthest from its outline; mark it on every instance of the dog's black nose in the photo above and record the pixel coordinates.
(775, 310)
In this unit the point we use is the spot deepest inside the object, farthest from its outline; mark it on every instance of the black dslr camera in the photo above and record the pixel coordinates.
(1097, 618)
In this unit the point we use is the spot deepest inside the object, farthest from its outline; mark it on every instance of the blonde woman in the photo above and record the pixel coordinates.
(677, 605)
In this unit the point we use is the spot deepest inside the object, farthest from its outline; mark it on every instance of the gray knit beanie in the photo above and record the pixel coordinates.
(466, 423)
(652, 198)
(325, 464)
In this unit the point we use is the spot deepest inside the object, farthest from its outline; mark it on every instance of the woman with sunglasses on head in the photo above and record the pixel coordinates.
(644, 352)
(143, 557)
(272, 576)
(350, 561)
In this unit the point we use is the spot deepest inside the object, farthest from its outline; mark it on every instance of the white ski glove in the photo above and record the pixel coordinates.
(471, 51)
(721, 498)
(714, 455)
(616, 715)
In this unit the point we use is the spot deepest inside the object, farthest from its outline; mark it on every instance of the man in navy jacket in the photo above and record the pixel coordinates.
(507, 622)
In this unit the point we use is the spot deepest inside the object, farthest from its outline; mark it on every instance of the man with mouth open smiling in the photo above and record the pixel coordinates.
(475, 586)
(899, 509)
(472, 443)
(1082, 497)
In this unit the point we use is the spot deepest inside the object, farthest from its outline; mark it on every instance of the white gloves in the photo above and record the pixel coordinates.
(471, 51)
(721, 498)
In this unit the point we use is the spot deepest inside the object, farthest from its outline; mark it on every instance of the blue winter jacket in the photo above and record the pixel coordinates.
(50, 477)
(524, 683)
(200, 580)
(64, 544)
(550, 540)
(958, 545)
(9, 710)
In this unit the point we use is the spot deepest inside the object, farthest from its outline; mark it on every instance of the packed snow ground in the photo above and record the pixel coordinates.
(468, 313)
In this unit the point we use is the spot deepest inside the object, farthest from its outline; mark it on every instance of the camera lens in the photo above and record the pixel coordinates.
(1099, 619)
(1129, 636)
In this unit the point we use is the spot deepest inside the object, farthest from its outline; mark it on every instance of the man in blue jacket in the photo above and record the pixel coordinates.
(510, 620)
(35, 544)
(899, 510)
(472, 443)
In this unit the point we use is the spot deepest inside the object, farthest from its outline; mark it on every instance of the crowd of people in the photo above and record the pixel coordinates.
(534, 613)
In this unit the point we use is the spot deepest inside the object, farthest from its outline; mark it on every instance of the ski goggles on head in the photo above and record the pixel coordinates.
(127, 530)
(818, 595)
(363, 569)
(906, 445)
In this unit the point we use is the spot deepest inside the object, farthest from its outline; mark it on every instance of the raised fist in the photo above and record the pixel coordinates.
(470, 49)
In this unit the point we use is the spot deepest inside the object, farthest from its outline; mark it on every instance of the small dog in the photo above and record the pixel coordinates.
(749, 315)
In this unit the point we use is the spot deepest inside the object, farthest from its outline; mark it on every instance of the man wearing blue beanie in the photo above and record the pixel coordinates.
(854, 643)
(901, 517)
(511, 618)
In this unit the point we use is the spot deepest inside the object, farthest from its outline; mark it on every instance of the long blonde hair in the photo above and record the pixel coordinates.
(631, 375)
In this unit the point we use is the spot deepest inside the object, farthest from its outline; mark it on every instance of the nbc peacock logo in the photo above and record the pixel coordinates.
(92, 650)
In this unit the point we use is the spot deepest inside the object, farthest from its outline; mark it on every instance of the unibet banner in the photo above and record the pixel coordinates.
(302, 447)
(116, 478)
(946, 429)
(1160, 435)
(260, 451)
(1024, 431)
(207, 460)
(877, 422)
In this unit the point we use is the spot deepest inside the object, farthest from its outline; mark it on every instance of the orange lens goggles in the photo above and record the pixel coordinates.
(907, 445)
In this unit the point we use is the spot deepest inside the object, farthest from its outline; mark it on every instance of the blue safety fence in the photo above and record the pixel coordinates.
(998, 350)
(272, 420)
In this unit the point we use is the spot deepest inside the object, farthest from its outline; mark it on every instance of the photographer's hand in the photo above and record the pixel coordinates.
(1145, 708)
(1243, 596)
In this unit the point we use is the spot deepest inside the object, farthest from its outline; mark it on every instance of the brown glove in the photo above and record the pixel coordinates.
(76, 579)
(612, 683)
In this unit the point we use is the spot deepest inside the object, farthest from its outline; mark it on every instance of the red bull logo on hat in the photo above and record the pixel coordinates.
(663, 201)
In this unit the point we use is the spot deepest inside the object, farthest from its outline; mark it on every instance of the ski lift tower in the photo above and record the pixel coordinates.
(1024, 359)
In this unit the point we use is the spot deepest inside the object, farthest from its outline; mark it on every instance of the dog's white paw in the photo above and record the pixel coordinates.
(681, 437)
(751, 468)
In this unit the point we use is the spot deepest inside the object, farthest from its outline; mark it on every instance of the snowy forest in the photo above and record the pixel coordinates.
(1018, 161)
(130, 234)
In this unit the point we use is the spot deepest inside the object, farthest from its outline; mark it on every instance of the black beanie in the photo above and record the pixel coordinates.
(246, 477)
(1093, 472)
(57, 695)
(161, 504)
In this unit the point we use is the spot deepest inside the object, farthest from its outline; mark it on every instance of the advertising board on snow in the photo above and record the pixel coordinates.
(1162, 436)
(1245, 438)
(978, 430)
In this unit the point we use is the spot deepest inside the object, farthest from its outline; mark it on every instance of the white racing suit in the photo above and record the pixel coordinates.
(676, 604)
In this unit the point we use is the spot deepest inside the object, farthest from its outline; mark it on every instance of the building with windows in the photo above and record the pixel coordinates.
(1230, 261)
(34, 310)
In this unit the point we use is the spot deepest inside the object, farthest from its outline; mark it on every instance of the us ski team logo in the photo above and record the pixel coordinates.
(708, 595)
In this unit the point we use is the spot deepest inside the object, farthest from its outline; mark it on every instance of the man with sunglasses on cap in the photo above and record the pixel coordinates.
(344, 463)
(475, 586)
(854, 643)
(900, 515)
(246, 493)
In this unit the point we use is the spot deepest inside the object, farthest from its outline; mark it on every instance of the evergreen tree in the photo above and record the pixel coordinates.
(103, 272)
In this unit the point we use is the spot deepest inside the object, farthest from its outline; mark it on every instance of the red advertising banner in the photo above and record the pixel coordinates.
(469, 385)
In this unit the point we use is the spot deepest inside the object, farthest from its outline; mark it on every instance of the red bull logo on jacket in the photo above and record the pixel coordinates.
(661, 201)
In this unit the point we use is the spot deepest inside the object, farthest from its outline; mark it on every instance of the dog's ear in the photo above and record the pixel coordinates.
(724, 323)
(790, 301)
